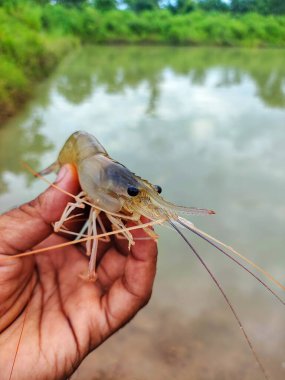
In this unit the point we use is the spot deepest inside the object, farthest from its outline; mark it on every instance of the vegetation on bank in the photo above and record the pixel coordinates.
(27, 54)
(161, 26)
(34, 35)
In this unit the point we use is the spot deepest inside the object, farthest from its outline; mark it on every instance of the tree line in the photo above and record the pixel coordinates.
(177, 6)
(36, 34)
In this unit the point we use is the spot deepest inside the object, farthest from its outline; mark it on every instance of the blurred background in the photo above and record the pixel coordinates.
(191, 96)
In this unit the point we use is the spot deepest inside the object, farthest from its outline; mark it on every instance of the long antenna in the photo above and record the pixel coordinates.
(213, 239)
(226, 299)
(201, 235)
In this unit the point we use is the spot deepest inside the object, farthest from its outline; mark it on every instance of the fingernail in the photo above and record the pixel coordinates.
(61, 174)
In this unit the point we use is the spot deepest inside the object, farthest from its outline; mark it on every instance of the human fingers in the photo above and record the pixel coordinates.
(132, 290)
(27, 225)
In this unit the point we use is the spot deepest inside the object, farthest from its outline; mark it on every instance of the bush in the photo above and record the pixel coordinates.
(26, 54)
(13, 84)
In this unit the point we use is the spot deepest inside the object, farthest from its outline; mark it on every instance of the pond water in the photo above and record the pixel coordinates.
(208, 125)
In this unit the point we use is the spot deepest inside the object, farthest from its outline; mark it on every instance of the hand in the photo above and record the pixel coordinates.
(62, 316)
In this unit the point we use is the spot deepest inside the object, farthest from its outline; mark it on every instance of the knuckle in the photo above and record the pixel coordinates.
(144, 300)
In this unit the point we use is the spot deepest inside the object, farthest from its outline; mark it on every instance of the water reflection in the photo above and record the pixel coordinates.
(208, 126)
(116, 70)
(21, 143)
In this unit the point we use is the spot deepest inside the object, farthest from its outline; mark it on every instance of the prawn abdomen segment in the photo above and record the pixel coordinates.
(79, 146)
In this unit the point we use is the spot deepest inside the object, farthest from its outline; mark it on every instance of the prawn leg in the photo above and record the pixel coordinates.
(91, 245)
(119, 225)
(106, 239)
(151, 234)
(68, 210)
(93, 255)
(89, 233)
(82, 231)
(149, 231)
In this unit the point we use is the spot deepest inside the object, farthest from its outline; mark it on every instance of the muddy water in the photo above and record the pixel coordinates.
(208, 125)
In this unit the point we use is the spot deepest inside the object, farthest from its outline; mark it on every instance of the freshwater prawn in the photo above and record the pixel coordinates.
(109, 187)
(111, 192)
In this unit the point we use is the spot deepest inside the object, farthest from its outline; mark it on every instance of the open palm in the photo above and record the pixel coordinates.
(64, 317)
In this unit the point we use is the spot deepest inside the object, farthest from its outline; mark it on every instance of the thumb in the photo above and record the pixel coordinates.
(29, 224)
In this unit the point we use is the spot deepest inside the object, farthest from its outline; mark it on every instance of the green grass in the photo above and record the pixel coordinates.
(27, 54)
(34, 38)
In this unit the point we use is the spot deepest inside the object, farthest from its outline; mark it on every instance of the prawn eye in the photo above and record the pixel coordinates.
(133, 191)
(158, 189)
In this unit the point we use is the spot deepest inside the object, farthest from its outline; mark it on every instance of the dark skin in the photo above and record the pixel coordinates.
(64, 317)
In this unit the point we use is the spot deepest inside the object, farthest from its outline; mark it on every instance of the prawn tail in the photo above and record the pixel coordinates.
(51, 168)
(228, 302)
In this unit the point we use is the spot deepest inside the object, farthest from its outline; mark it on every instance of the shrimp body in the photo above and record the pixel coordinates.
(111, 186)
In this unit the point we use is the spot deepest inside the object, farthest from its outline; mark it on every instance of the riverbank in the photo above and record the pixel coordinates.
(33, 39)
(27, 55)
